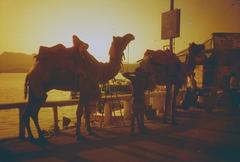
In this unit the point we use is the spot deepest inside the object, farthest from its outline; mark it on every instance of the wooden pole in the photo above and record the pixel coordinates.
(21, 123)
(171, 39)
(127, 105)
(55, 118)
(107, 114)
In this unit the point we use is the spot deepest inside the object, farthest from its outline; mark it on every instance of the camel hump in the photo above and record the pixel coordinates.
(161, 57)
(54, 49)
(59, 51)
(55, 52)
(50, 53)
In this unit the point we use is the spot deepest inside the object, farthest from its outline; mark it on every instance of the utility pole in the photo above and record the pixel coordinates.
(171, 39)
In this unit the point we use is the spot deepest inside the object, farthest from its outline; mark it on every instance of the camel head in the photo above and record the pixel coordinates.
(119, 44)
(196, 53)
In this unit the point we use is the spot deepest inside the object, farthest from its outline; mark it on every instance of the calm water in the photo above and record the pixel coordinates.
(11, 90)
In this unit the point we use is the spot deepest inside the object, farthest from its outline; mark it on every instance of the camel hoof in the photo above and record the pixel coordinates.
(42, 140)
(132, 134)
(31, 139)
(144, 131)
(174, 123)
(91, 133)
(165, 121)
(38, 141)
(80, 138)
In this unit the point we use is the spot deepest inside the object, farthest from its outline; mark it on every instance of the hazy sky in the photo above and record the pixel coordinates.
(27, 24)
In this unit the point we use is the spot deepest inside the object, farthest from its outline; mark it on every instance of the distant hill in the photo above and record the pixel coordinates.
(12, 62)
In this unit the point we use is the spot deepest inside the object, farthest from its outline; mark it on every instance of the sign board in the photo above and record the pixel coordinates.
(226, 40)
(171, 24)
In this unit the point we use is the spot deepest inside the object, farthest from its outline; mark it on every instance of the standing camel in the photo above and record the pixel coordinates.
(71, 69)
(166, 69)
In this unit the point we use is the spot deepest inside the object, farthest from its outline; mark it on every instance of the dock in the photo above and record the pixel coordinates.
(198, 137)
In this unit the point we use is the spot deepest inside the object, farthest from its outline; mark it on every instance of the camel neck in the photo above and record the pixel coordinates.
(190, 63)
(109, 70)
(114, 66)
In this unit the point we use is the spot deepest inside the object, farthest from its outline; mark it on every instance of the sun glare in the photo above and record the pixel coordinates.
(99, 44)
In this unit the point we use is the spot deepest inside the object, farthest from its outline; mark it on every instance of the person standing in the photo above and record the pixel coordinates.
(139, 85)
(233, 92)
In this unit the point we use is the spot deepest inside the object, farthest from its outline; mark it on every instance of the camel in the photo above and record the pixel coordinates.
(165, 68)
(70, 69)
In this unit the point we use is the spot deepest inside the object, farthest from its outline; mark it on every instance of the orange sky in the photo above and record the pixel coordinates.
(27, 24)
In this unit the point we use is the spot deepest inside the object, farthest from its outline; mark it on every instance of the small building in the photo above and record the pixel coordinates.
(223, 52)
(224, 59)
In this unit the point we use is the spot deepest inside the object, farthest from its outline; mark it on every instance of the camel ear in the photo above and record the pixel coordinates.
(76, 41)
(83, 47)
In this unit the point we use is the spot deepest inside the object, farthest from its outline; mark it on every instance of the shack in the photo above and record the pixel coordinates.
(223, 51)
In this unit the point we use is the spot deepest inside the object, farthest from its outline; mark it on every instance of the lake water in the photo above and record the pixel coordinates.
(12, 90)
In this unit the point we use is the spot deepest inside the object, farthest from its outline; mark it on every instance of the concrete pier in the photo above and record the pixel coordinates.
(198, 137)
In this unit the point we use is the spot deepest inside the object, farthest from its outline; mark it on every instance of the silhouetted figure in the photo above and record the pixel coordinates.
(139, 84)
(64, 71)
(233, 91)
(190, 99)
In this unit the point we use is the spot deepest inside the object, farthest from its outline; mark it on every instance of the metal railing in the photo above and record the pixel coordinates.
(57, 104)
(51, 104)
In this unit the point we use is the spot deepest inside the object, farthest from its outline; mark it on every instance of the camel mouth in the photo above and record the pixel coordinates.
(129, 37)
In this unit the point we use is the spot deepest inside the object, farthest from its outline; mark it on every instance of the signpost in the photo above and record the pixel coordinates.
(170, 30)
(171, 24)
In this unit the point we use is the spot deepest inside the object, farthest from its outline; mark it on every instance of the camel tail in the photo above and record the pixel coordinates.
(26, 87)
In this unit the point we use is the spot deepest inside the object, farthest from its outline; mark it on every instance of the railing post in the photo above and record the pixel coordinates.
(21, 122)
(107, 114)
(158, 102)
(168, 103)
(55, 117)
(127, 105)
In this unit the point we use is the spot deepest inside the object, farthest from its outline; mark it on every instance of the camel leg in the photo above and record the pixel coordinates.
(32, 111)
(138, 120)
(167, 103)
(87, 116)
(175, 93)
(142, 127)
(79, 114)
(133, 123)
(26, 118)
(27, 114)
(38, 103)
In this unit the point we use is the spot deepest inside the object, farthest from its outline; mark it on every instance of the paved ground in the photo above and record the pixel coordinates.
(199, 137)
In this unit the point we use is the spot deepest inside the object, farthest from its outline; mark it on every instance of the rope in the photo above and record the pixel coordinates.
(127, 57)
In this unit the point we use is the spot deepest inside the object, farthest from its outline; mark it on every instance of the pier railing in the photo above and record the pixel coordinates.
(157, 99)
